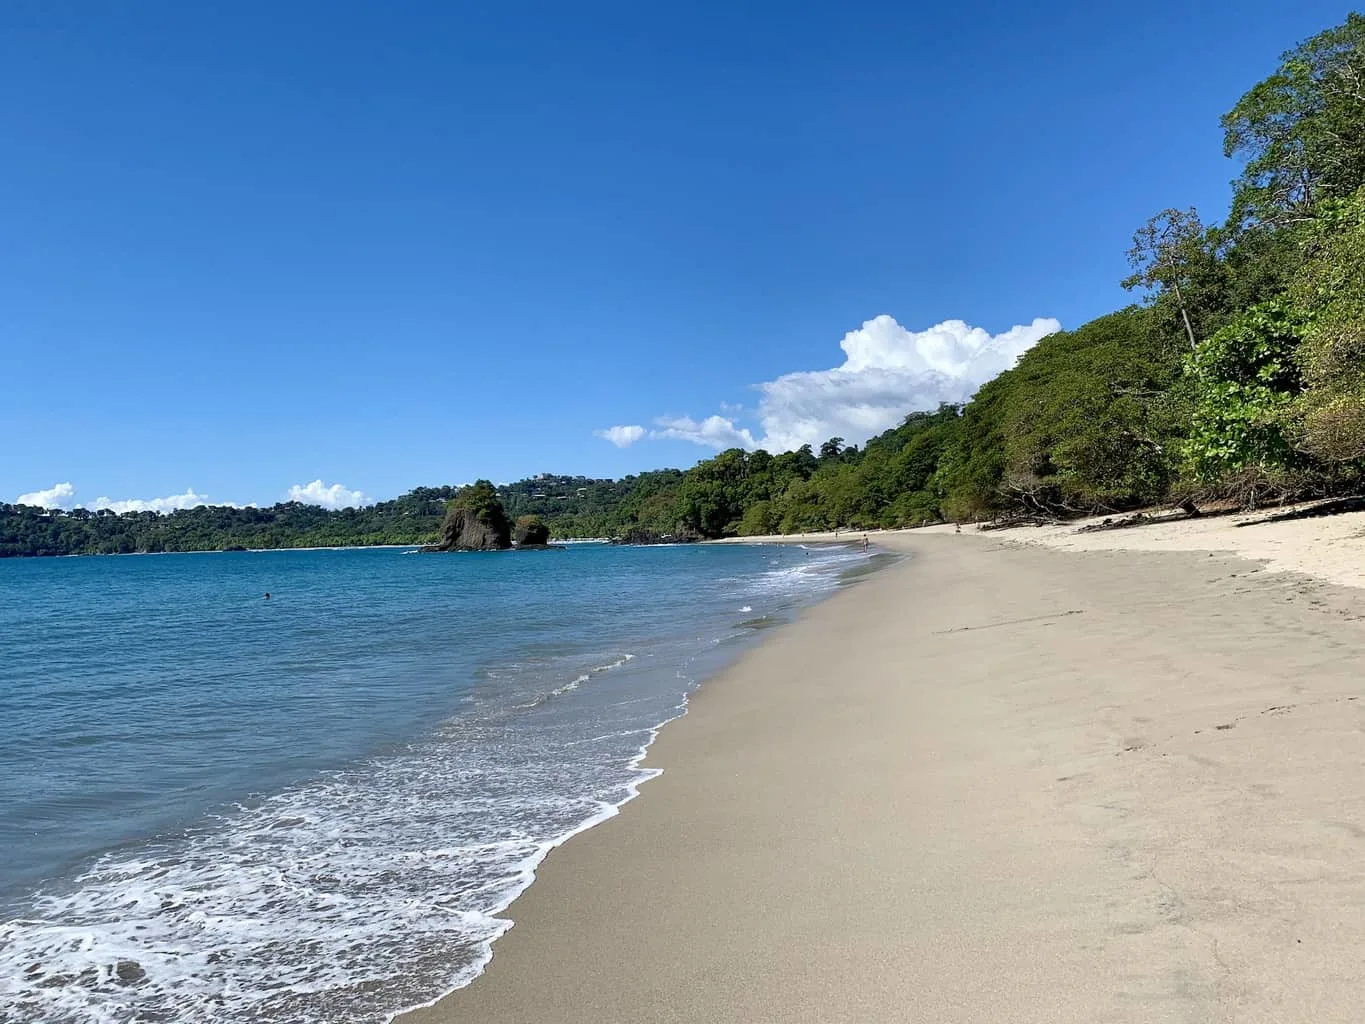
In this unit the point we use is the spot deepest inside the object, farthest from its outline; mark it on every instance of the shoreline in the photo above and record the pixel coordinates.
(1006, 718)
(646, 774)
(466, 864)
(1329, 547)
(605, 814)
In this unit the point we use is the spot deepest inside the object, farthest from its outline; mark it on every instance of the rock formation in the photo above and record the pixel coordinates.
(475, 521)
(530, 532)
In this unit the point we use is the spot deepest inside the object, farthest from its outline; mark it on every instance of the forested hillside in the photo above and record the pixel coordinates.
(1241, 375)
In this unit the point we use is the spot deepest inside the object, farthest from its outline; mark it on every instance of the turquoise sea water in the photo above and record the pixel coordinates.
(216, 807)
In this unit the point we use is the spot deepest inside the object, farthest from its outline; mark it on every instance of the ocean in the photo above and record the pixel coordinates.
(313, 808)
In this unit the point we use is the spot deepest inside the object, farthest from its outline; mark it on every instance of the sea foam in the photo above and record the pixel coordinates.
(336, 900)
(361, 891)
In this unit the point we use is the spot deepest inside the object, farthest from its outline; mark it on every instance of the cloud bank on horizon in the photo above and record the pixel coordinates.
(55, 496)
(63, 495)
(327, 495)
(888, 372)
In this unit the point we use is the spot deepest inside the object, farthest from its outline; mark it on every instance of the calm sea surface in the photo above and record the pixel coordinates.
(215, 807)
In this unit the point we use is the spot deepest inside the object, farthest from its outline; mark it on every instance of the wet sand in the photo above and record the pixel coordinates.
(993, 783)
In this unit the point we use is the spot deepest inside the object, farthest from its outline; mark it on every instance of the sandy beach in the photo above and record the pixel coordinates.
(997, 782)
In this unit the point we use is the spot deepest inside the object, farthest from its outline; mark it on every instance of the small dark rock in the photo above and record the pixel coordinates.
(530, 532)
(129, 972)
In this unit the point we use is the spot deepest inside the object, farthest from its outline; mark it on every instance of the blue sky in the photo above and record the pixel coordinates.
(250, 246)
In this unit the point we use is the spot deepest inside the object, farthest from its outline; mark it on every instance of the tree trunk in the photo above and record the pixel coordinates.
(1180, 300)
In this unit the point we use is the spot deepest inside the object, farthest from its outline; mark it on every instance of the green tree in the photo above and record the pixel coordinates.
(480, 498)
(832, 449)
(1088, 419)
(1329, 414)
(1300, 133)
(758, 520)
(1163, 255)
(1245, 378)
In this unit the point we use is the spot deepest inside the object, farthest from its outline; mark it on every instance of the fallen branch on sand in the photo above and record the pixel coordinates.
(1022, 519)
(1187, 510)
(1328, 507)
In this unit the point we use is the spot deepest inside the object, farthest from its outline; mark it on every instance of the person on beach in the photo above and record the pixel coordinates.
(864, 542)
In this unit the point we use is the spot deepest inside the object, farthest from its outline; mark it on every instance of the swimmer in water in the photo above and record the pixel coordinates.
(267, 595)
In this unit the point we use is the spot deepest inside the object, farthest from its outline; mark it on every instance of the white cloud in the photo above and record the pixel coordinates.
(621, 436)
(56, 496)
(328, 496)
(715, 431)
(64, 496)
(887, 372)
(170, 503)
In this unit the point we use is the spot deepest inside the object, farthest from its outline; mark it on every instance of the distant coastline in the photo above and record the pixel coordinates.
(227, 551)
(258, 551)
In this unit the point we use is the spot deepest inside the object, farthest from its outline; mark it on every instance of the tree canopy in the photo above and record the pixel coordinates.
(1299, 132)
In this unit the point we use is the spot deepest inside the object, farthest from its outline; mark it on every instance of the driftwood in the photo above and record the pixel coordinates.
(1021, 519)
(1329, 507)
(1186, 510)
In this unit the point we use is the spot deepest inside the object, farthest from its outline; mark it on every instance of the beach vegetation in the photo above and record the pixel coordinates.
(1329, 286)
(1300, 133)
(1246, 378)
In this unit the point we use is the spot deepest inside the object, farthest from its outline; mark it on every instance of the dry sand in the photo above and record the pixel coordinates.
(994, 783)
(1328, 547)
